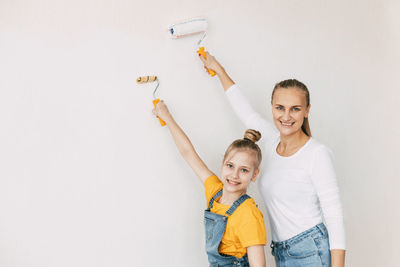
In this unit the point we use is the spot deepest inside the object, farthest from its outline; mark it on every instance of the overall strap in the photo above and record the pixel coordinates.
(236, 204)
(217, 195)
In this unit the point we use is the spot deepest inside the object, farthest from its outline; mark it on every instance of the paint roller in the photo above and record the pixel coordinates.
(192, 27)
(148, 79)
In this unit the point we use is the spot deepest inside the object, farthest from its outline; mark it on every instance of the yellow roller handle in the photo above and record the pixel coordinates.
(146, 79)
(202, 52)
(155, 101)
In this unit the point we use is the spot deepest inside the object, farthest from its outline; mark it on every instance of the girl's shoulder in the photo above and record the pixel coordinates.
(249, 224)
(249, 210)
(211, 186)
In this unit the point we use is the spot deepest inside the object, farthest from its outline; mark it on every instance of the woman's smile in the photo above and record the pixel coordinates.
(287, 124)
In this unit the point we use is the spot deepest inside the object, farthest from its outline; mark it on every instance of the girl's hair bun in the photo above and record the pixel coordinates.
(248, 143)
(252, 135)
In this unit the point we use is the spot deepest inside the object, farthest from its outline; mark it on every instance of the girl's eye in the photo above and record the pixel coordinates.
(229, 165)
(245, 170)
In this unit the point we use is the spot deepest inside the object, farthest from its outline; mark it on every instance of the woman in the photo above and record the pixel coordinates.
(298, 183)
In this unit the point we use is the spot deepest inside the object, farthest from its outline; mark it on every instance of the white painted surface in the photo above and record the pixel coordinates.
(89, 178)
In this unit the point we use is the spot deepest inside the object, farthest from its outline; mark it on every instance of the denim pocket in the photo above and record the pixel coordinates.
(322, 234)
(322, 244)
(303, 249)
(210, 225)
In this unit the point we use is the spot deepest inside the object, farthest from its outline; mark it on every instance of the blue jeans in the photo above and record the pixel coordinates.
(307, 249)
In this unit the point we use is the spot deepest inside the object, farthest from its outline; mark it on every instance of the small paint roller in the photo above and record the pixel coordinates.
(148, 79)
(191, 27)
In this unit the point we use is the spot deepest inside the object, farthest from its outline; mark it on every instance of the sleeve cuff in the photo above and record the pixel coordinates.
(231, 89)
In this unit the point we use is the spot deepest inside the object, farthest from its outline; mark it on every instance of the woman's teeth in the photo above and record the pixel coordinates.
(287, 124)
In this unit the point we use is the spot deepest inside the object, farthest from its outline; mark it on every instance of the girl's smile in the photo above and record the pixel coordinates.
(231, 182)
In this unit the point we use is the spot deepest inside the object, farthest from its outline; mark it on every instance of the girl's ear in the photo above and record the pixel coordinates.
(255, 175)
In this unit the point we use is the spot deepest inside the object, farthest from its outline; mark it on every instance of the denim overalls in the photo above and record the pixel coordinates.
(215, 228)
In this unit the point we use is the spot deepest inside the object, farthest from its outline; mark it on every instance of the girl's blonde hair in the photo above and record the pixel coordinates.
(301, 86)
(247, 143)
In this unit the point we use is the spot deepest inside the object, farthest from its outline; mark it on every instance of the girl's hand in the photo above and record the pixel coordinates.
(211, 63)
(161, 111)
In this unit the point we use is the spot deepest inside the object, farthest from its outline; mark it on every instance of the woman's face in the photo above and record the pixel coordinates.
(289, 108)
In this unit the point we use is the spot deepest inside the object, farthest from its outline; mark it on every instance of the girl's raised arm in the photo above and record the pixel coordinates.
(183, 143)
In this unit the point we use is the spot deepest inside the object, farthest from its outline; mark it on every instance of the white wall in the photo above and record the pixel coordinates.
(89, 178)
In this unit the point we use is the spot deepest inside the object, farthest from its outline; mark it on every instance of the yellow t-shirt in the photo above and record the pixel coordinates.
(245, 227)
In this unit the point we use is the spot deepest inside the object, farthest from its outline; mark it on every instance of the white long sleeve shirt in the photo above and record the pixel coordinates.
(299, 191)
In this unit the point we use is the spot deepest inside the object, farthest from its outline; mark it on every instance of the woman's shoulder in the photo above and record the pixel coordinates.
(315, 153)
(316, 147)
(320, 156)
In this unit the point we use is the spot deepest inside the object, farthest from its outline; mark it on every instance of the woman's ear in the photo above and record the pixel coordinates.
(307, 111)
(255, 175)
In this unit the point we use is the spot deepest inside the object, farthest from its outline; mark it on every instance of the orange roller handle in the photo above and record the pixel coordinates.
(155, 101)
(202, 52)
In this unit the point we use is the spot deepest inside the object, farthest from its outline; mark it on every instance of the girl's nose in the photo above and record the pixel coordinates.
(236, 173)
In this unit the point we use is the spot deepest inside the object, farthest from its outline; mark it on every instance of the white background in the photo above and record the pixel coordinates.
(89, 178)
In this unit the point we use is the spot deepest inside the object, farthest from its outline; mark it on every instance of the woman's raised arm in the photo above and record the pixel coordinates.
(239, 102)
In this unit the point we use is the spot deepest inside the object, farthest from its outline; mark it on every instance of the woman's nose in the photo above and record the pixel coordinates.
(286, 115)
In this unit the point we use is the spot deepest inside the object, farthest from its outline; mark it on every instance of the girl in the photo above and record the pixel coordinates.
(299, 183)
(235, 231)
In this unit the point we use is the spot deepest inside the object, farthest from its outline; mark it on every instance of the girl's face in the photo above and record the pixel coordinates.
(239, 170)
(289, 108)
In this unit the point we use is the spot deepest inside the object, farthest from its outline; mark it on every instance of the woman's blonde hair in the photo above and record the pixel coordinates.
(301, 86)
(247, 143)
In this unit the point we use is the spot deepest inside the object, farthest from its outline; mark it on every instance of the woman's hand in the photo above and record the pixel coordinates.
(161, 111)
(211, 63)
